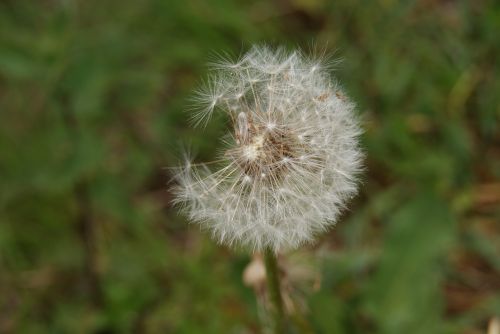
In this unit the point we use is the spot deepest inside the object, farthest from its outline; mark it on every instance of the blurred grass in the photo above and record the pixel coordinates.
(93, 97)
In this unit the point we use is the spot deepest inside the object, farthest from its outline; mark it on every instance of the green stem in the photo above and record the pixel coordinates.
(274, 291)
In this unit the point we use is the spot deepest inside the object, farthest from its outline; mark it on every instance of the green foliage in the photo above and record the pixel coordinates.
(94, 105)
(410, 269)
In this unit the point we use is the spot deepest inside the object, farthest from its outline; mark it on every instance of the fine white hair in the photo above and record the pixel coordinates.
(292, 157)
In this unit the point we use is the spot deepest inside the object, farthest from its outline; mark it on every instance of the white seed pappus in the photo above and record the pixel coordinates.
(291, 158)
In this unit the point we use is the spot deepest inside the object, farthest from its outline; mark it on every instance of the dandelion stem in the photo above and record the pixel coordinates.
(274, 289)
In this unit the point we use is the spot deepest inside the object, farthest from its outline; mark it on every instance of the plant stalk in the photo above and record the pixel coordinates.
(274, 291)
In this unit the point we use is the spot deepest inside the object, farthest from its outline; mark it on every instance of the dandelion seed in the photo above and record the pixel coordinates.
(293, 155)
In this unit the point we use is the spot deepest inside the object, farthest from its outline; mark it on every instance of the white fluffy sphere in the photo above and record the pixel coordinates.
(291, 159)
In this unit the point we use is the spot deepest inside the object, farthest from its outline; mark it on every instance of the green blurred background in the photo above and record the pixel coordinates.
(93, 101)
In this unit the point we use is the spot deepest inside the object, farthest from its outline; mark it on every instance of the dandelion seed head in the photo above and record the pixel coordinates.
(293, 158)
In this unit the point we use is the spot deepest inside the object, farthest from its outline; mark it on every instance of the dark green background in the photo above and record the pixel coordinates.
(93, 101)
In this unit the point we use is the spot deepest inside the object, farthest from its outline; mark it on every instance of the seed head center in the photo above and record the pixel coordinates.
(253, 150)
(265, 150)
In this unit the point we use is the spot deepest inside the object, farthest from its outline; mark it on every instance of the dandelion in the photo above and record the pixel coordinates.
(291, 159)
(290, 162)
